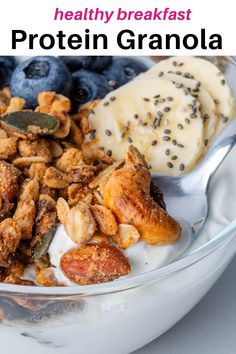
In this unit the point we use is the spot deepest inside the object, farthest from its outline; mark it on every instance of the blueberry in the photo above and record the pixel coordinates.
(87, 86)
(93, 63)
(39, 74)
(123, 70)
(7, 65)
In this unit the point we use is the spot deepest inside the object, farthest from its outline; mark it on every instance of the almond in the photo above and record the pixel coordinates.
(94, 263)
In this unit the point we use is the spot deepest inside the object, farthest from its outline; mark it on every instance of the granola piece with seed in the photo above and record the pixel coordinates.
(56, 179)
(78, 221)
(81, 174)
(29, 189)
(55, 148)
(78, 193)
(8, 148)
(105, 219)
(46, 277)
(46, 225)
(22, 162)
(69, 160)
(18, 281)
(39, 147)
(24, 217)
(10, 237)
(37, 170)
(126, 236)
(16, 104)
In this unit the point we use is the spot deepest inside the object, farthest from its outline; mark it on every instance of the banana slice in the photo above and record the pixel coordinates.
(160, 118)
(208, 76)
(208, 109)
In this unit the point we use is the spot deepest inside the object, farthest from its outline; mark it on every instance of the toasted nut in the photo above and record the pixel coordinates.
(37, 171)
(39, 147)
(14, 280)
(84, 125)
(127, 236)
(63, 211)
(9, 238)
(51, 192)
(55, 149)
(8, 148)
(71, 158)
(78, 193)
(82, 173)
(78, 221)
(45, 204)
(99, 237)
(55, 179)
(49, 101)
(3, 134)
(61, 104)
(9, 176)
(76, 134)
(105, 219)
(45, 100)
(24, 217)
(85, 110)
(29, 190)
(102, 156)
(133, 156)
(94, 263)
(98, 197)
(65, 124)
(16, 269)
(101, 180)
(46, 277)
(16, 104)
(22, 162)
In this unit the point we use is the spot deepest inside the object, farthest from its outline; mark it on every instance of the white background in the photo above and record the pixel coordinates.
(37, 17)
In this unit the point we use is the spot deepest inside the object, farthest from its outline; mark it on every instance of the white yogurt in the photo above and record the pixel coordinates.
(144, 257)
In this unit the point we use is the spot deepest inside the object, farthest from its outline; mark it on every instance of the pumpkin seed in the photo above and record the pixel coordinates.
(31, 122)
(42, 245)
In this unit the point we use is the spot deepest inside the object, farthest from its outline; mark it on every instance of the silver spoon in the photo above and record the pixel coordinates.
(186, 197)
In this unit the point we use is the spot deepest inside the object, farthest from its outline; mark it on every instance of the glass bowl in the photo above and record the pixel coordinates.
(121, 316)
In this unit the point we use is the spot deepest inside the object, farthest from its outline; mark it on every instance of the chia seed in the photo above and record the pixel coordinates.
(174, 142)
(167, 152)
(166, 109)
(108, 132)
(154, 142)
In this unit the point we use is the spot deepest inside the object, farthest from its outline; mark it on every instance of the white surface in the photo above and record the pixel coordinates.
(208, 328)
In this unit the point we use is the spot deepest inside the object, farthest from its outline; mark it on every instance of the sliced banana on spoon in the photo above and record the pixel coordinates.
(170, 113)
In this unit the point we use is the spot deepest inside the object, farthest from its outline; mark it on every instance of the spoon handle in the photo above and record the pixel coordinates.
(215, 156)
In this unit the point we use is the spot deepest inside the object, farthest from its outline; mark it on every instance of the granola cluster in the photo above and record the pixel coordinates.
(56, 178)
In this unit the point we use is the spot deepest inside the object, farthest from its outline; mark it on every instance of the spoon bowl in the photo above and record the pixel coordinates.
(186, 196)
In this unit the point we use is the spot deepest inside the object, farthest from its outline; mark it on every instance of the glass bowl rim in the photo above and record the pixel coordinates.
(123, 284)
